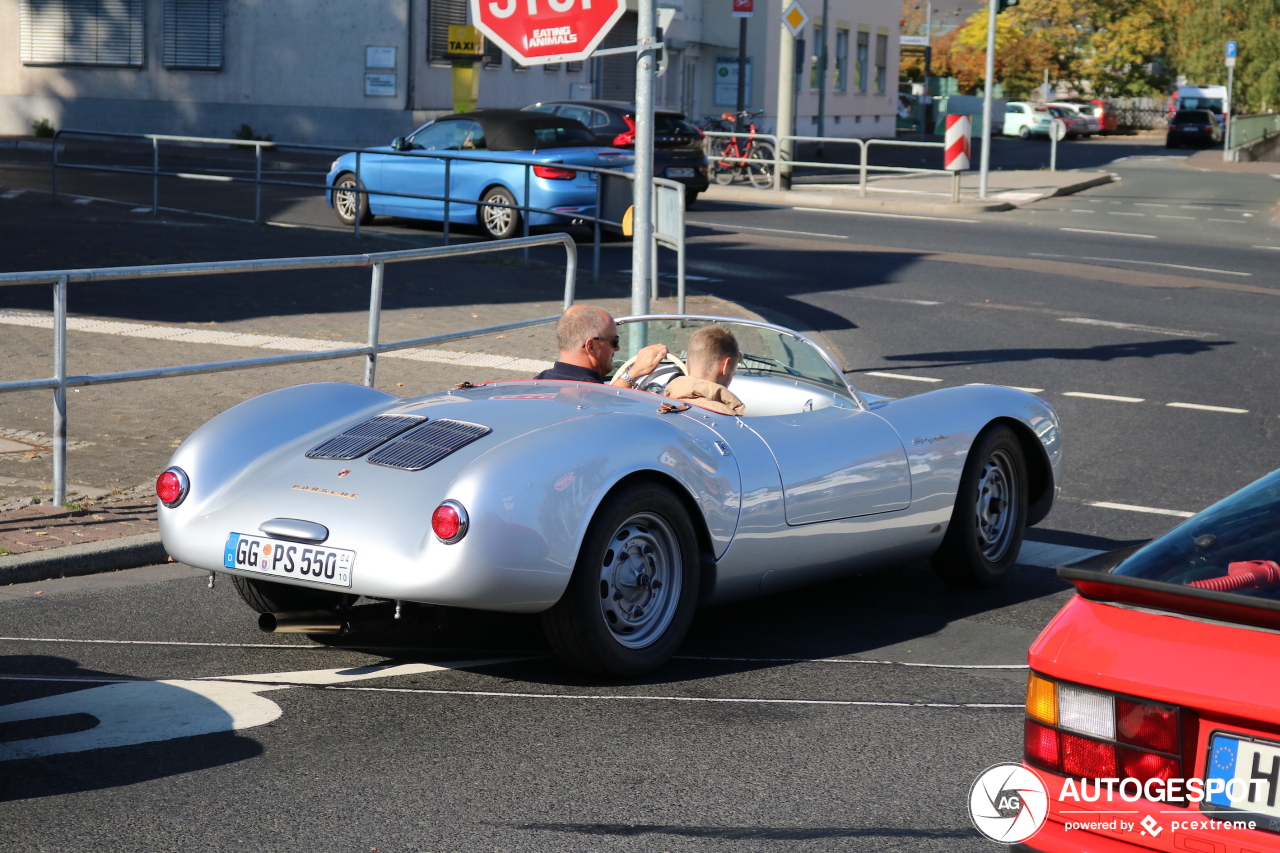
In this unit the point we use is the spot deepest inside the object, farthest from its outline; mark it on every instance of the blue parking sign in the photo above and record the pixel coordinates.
(1231, 50)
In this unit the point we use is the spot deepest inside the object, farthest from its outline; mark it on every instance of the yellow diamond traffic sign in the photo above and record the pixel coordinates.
(795, 18)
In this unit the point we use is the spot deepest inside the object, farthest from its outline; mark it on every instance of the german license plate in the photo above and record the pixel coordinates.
(1250, 774)
(314, 563)
(680, 172)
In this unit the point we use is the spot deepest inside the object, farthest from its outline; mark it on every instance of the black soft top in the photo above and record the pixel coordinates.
(517, 130)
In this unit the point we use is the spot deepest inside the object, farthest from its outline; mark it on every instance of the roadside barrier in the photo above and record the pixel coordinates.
(61, 279)
(778, 162)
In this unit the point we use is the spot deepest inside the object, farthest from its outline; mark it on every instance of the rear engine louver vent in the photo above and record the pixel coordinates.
(428, 444)
(362, 438)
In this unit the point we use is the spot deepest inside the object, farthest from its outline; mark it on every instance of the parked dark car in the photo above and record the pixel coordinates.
(678, 152)
(1194, 127)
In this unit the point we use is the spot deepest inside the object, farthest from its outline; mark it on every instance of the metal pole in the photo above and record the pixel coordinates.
(448, 193)
(926, 100)
(986, 98)
(375, 320)
(862, 168)
(570, 274)
(680, 292)
(359, 197)
(955, 187)
(642, 186)
(595, 227)
(53, 196)
(155, 177)
(1053, 147)
(257, 186)
(525, 211)
(822, 79)
(786, 105)
(742, 72)
(60, 393)
(1227, 115)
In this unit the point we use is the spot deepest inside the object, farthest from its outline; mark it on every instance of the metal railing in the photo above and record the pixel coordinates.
(862, 166)
(61, 279)
(258, 181)
(1246, 130)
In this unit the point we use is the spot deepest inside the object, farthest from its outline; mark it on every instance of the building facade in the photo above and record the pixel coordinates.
(360, 72)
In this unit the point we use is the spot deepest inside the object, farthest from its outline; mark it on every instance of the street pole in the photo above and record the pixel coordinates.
(1227, 113)
(822, 77)
(642, 186)
(786, 104)
(926, 100)
(986, 100)
(742, 73)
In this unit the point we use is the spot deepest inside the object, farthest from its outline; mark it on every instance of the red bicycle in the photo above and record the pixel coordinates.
(739, 156)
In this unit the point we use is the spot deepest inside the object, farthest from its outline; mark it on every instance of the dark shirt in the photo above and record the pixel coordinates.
(570, 372)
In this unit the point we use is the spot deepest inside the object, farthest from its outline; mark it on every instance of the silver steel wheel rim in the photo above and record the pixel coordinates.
(997, 506)
(640, 580)
(497, 219)
(346, 201)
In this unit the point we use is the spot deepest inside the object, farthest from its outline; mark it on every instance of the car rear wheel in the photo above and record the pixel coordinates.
(348, 205)
(631, 598)
(1024, 132)
(500, 223)
(990, 514)
(269, 597)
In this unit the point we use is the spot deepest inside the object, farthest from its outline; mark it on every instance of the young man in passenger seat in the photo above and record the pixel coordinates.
(713, 360)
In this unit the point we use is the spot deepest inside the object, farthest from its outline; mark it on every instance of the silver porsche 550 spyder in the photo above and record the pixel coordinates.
(612, 512)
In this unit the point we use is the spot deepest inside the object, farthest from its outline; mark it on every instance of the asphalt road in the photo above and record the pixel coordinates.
(849, 716)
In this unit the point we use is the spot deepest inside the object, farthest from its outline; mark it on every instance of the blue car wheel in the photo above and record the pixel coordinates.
(348, 205)
(500, 223)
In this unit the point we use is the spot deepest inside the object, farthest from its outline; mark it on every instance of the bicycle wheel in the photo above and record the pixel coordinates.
(760, 165)
(724, 172)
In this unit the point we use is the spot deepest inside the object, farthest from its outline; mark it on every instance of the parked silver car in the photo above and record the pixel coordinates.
(612, 512)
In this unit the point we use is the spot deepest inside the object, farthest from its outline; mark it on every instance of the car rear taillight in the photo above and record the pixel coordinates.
(449, 522)
(628, 136)
(172, 487)
(554, 174)
(1093, 734)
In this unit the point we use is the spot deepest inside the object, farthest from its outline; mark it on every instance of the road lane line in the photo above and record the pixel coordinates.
(140, 210)
(1124, 213)
(1171, 216)
(855, 660)
(768, 230)
(83, 201)
(1148, 204)
(885, 215)
(902, 376)
(1204, 408)
(1110, 233)
(1073, 210)
(1133, 327)
(585, 697)
(1197, 207)
(162, 643)
(1147, 509)
(1231, 221)
(191, 176)
(1144, 263)
(1273, 248)
(1113, 398)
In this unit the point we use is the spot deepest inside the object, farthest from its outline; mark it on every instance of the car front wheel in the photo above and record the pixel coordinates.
(631, 598)
(500, 223)
(990, 513)
(347, 203)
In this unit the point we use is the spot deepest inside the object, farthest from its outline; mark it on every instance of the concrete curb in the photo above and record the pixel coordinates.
(109, 555)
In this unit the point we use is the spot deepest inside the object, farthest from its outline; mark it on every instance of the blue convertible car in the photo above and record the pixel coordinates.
(412, 166)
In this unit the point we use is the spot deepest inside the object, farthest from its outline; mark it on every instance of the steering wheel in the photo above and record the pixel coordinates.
(656, 382)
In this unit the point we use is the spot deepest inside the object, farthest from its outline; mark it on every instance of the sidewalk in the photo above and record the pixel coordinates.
(1006, 190)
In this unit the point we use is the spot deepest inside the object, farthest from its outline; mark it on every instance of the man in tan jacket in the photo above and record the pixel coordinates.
(712, 362)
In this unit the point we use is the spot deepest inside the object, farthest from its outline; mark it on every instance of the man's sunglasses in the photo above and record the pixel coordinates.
(613, 340)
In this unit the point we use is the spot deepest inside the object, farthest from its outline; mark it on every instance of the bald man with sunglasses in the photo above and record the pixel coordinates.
(588, 339)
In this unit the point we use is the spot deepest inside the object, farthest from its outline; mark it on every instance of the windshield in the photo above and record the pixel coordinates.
(1231, 547)
(765, 352)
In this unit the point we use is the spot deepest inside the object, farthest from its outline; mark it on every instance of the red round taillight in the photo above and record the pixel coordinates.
(449, 522)
(172, 487)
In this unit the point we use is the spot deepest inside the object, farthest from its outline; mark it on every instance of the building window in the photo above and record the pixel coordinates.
(816, 60)
(574, 67)
(552, 68)
(81, 32)
(860, 65)
(842, 60)
(882, 60)
(193, 34)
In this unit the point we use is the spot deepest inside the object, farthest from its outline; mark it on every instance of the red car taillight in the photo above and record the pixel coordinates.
(172, 487)
(1092, 734)
(628, 136)
(449, 522)
(554, 174)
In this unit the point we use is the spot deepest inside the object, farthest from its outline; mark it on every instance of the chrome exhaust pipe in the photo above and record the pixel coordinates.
(302, 622)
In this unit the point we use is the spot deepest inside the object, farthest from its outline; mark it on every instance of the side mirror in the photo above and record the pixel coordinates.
(398, 144)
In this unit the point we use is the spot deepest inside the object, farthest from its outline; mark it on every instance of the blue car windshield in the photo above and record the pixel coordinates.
(1232, 547)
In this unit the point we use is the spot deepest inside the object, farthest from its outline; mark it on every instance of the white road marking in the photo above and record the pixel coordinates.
(895, 299)
(1123, 213)
(1205, 408)
(1014, 387)
(13, 194)
(82, 201)
(195, 177)
(1133, 327)
(1073, 210)
(140, 210)
(1171, 216)
(708, 699)
(902, 376)
(856, 660)
(1148, 204)
(885, 215)
(1231, 221)
(1197, 207)
(1273, 248)
(1110, 397)
(1144, 263)
(1148, 509)
(770, 231)
(237, 339)
(1052, 556)
(1110, 233)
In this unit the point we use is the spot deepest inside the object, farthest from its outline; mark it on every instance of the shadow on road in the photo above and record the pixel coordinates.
(1101, 353)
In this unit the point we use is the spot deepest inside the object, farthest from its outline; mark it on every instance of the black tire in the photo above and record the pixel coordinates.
(270, 597)
(1024, 132)
(656, 604)
(990, 515)
(347, 204)
(760, 165)
(690, 198)
(500, 223)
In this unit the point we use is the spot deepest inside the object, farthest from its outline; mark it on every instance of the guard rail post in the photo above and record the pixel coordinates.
(359, 196)
(862, 166)
(375, 321)
(680, 290)
(448, 194)
(570, 270)
(53, 173)
(155, 177)
(524, 211)
(595, 223)
(59, 444)
(257, 185)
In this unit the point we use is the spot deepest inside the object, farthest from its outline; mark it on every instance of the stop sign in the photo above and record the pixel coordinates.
(536, 32)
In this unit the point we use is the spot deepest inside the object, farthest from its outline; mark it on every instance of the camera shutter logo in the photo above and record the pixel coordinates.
(1008, 803)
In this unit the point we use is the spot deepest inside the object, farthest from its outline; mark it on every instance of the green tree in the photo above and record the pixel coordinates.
(1198, 37)
(1021, 56)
